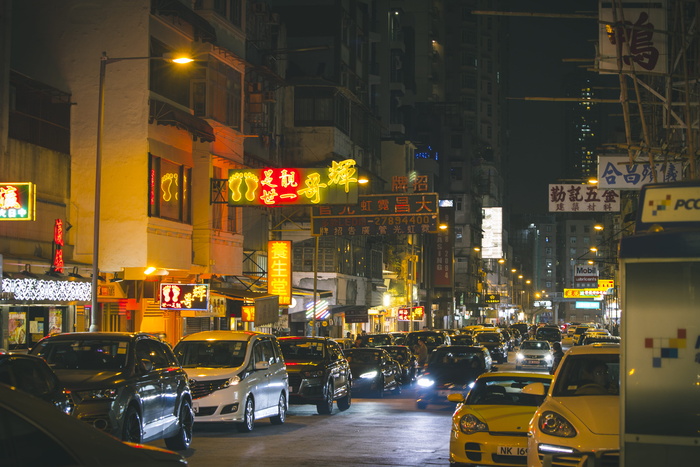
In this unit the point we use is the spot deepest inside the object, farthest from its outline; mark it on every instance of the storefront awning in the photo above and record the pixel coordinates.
(166, 114)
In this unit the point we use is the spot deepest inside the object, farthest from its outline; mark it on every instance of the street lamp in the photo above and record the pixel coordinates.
(95, 316)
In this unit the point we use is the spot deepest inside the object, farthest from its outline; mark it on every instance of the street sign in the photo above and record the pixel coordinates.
(392, 213)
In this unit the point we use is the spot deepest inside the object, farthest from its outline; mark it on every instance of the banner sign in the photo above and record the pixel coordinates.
(279, 271)
(385, 214)
(337, 184)
(617, 172)
(17, 202)
(582, 198)
(636, 32)
(184, 297)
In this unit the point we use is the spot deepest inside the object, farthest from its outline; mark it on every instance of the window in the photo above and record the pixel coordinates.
(548, 251)
(225, 92)
(572, 229)
(586, 240)
(169, 190)
(572, 240)
(586, 229)
(548, 284)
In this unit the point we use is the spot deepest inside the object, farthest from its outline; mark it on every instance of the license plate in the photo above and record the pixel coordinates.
(195, 407)
(532, 362)
(512, 451)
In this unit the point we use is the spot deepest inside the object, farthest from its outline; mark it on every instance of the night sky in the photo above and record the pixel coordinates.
(537, 48)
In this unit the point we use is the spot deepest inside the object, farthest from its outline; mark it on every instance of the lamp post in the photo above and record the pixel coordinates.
(95, 316)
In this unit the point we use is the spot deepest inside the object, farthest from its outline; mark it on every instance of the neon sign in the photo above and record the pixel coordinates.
(184, 297)
(17, 202)
(283, 186)
(57, 263)
(279, 274)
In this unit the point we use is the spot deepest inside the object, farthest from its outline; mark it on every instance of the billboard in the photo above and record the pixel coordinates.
(279, 273)
(582, 198)
(492, 240)
(184, 297)
(617, 172)
(17, 201)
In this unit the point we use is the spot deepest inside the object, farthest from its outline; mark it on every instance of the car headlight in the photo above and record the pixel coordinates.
(368, 375)
(312, 374)
(233, 381)
(519, 356)
(98, 394)
(553, 424)
(470, 424)
(425, 382)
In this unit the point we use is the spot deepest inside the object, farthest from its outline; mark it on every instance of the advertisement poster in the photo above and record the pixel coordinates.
(17, 327)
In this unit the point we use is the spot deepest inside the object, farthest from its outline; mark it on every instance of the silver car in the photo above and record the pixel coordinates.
(235, 376)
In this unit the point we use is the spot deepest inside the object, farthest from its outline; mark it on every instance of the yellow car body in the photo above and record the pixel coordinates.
(489, 427)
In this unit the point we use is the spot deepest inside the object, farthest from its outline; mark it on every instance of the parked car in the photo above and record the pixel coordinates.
(318, 371)
(522, 329)
(462, 339)
(129, 385)
(509, 338)
(600, 338)
(35, 434)
(548, 333)
(432, 339)
(375, 340)
(451, 369)
(579, 418)
(33, 375)
(489, 427)
(534, 354)
(235, 376)
(374, 371)
(495, 343)
(399, 338)
(578, 332)
(344, 342)
(406, 360)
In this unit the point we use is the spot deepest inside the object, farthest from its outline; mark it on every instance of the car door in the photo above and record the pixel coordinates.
(279, 380)
(148, 385)
(258, 380)
(338, 366)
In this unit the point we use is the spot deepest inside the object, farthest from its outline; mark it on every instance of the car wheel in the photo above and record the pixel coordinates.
(326, 406)
(183, 437)
(345, 402)
(281, 411)
(422, 405)
(248, 423)
(131, 430)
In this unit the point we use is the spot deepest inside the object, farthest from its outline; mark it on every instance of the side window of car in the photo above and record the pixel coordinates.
(268, 353)
(157, 354)
(279, 358)
(258, 352)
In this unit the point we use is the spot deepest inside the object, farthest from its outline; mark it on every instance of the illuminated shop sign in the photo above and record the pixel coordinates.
(47, 290)
(279, 271)
(582, 198)
(17, 202)
(57, 263)
(414, 313)
(283, 186)
(403, 313)
(417, 313)
(248, 313)
(184, 297)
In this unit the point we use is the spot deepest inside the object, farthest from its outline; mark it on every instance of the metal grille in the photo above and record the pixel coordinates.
(204, 388)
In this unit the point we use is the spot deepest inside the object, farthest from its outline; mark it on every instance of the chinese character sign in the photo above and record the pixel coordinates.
(403, 313)
(444, 251)
(184, 297)
(337, 184)
(17, 202)
(617, 172)
(57, 262)
(279, 273)
(639, 38)
(582, 198)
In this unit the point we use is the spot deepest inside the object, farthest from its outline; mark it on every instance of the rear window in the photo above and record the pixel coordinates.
(295, 350)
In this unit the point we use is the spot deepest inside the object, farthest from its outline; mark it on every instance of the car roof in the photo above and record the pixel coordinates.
(223, 336)
(595, 348)
(308, 338)
(100, 334)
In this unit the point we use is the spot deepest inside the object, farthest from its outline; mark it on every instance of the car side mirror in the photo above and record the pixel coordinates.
(536, 389)
(455, 397)
(261, 365)
(145, 365)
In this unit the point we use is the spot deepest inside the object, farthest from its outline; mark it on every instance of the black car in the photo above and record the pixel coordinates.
(406, 360)
(495, 343)
(375, 340)
(432, 339)
(462, 339)
(33, 375)
(374, 371)
(318, 372)
(450, 369)
(548, 333)
(129, 385)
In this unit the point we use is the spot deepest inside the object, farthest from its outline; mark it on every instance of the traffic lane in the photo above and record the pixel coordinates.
(387, 432)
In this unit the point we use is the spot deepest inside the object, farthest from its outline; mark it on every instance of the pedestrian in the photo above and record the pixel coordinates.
(421, 351)
(557, 354)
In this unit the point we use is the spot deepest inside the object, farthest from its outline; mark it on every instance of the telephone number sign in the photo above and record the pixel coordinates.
(374, 225)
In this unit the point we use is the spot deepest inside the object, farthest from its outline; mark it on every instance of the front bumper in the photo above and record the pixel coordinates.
(484, 449)
(223, 405)
(305, 390)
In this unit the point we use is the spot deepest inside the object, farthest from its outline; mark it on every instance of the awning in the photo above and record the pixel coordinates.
(202, 29)
(166, 114)
(266, 305)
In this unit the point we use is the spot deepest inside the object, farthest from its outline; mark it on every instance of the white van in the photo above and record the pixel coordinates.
(235, 376)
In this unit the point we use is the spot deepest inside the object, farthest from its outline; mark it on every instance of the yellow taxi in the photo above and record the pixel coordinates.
(489, 426)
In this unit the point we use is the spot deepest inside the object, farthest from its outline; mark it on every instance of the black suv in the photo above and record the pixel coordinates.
(31, 374)
(318, 372)
(495, 343)
(129, 385)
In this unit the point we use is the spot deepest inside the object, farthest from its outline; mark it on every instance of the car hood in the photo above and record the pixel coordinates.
(490, 345)
(211, 373)
(541, 353)
(296, 367)
(359, 368)
(503, 418)
(89, 379)
(588, 410)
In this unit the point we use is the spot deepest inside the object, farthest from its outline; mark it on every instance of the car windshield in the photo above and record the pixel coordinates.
(467, 358)
(432, 339)
(590, 374)
(375, 340)
(84, 354)
(362, 356)
(488, 337)
(399, 354)
(505, 391)
(211, 354)
(302, 349)
(535, 345)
